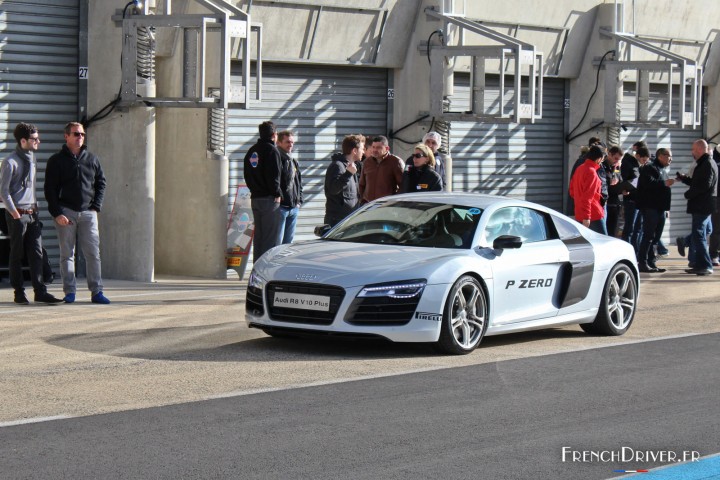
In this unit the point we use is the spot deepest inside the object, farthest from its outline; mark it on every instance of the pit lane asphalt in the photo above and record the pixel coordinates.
(178, 341)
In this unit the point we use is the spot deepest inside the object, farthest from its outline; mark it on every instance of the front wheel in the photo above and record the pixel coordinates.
(618, 303)
(465, 319)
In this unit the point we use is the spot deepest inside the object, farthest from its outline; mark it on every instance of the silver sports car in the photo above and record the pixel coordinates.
(446, 268)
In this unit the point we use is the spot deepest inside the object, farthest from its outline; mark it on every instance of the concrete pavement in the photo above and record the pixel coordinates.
(179, 340)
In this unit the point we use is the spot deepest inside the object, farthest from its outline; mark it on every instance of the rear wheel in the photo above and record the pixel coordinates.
(465, 319)
(618, 303)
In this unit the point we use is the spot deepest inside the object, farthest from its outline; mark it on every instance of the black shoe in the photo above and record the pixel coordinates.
(46, 297)
(647, 269)
(658, 269)
(680, 241)
(21, 299)
(699, 271)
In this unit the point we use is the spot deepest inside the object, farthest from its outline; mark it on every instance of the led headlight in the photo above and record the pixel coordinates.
(406, 289)
(256, 281)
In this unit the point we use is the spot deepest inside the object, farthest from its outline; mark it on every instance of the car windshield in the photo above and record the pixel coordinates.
(410, 223)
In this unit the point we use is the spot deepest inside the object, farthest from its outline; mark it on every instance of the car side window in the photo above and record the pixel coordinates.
(528, 224)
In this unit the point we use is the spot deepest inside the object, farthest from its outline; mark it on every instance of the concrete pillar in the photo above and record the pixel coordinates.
(125, 144)
(192, 189)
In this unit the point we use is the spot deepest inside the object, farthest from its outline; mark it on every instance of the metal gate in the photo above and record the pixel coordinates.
(321, 105)
(679, 141)
(39, 82)
(517, 160)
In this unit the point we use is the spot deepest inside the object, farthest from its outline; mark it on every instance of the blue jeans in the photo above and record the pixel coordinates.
(699, 254)
(633, 224)
(598, 226)
(289, 220)
(84, 229)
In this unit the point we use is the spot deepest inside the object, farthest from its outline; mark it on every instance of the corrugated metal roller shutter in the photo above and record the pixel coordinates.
(523, 161)
(321, 105)
(39, 71)
(679, 141)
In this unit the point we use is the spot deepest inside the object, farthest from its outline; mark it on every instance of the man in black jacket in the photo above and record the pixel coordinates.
(653, 198)
(630, 171)
(341, 182)
(74, 190)
(290, 184)
(262, 167)
(702, 203)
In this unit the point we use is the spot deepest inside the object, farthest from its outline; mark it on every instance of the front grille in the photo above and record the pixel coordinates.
(382, 311)
(253, 301)
(301, 315)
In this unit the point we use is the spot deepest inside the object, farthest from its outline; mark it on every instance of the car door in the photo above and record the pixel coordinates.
(526, 280)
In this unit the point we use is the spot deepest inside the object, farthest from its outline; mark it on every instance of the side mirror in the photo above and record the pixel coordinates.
(507, 241)
(321, 230)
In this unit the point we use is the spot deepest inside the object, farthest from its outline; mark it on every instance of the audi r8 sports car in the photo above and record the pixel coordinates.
(446, 268)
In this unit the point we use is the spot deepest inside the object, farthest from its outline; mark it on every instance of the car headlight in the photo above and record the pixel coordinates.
(406, 289)
(256, 281)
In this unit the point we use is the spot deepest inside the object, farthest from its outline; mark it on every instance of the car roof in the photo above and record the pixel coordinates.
(478, 200)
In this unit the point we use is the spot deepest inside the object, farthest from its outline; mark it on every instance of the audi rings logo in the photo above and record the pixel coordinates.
(305, 277)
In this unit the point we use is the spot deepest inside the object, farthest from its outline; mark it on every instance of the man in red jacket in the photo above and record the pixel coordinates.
(585, 188)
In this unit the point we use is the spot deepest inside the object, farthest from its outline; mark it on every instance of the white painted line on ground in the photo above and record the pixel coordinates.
(26, 421)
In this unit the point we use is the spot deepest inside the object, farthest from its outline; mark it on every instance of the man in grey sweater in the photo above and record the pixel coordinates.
(17, 190)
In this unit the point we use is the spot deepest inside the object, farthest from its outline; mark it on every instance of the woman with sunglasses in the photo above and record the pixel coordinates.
(420, 174)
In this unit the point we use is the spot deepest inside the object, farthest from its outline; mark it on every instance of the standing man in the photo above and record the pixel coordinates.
(715, 218)
(630, 171)
(611, 170)
(434, 141)
(702, 202)
(382, 172)
(17, 191)
(74, 190)
(291, 185)
(653, 198)
(585, 189)
(262, 166)
(341, 183)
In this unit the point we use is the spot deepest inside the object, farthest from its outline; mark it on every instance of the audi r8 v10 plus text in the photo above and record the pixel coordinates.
(446, 268)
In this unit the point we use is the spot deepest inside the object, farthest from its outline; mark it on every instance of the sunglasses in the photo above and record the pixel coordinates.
(419, 155)
(78, 134)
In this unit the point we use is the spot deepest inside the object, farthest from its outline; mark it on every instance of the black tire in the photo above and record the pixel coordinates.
(465, 319)
(617, 305)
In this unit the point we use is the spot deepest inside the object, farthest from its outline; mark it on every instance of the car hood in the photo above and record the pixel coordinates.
(351, 264)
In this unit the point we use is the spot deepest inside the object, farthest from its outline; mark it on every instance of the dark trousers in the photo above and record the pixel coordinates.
(268, 225)
(613, 218)
(715, 235)
(653, 223)
(25, 239)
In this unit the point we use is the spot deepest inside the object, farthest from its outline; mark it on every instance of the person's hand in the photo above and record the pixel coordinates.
(669, 182)
(351, 168)
(614, 181)
(16, 215)
(586, 222)
(277, 199)
(62, 220)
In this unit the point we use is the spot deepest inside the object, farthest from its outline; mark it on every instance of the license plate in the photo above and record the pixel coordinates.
(303, 301)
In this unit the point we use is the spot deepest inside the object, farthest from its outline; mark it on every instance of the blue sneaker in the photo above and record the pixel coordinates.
(69, 298)
(99, 298)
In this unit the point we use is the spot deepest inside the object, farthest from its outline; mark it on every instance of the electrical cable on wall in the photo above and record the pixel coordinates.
(105, 111)
(568, 137)
(441, 35)
(392, 134)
